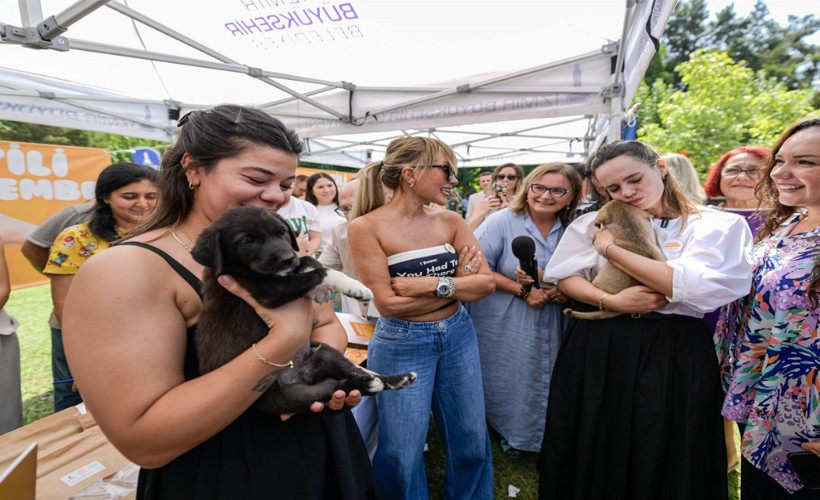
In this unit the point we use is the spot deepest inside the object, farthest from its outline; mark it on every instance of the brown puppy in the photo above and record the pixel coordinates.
(632, 230)
(258, 248)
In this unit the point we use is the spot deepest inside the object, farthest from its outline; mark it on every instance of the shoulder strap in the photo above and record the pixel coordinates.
(187, 275)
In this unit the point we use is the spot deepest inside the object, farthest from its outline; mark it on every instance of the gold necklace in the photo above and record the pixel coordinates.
(180, 241)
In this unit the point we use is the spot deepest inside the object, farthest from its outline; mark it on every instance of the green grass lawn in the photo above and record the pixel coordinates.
(32, 306)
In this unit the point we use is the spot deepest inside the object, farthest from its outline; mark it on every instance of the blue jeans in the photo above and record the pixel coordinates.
(64, 397)
(444, 355)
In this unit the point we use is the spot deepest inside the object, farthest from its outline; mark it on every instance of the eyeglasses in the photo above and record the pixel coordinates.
(343, 211)
(508, 177)
(732, 172)
(447, 169)
(555, 192)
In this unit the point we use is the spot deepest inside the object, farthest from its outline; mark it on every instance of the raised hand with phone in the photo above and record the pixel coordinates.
(506, 180)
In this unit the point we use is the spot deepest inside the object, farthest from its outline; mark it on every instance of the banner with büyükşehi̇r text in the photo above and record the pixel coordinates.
(37, 181)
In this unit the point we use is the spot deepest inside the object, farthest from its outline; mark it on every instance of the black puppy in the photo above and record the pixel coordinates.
(258, 248)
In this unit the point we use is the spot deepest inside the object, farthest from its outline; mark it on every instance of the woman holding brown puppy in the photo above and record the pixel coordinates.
(634, 399)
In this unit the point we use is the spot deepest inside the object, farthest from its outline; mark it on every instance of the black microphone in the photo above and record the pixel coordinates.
(523, 247)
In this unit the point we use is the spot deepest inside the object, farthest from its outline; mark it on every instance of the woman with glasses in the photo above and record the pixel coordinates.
(323, 193)
(506, 182)
(517, 364)
(635, 399)
(734, 178)
(421, 262)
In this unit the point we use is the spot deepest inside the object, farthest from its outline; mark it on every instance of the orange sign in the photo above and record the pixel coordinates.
(37, 181)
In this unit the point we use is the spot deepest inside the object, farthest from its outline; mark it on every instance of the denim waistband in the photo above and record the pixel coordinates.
(459, 315)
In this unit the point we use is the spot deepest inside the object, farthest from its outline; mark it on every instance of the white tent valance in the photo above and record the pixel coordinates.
(524, 80)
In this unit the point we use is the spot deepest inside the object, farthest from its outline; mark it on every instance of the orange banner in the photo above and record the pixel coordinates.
(37, 181)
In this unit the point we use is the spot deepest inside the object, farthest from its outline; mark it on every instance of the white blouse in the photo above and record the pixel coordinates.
(711, 258)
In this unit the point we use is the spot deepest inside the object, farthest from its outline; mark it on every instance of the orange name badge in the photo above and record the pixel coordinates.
(673, 246)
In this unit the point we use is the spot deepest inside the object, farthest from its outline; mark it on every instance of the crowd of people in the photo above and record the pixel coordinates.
(718, 337)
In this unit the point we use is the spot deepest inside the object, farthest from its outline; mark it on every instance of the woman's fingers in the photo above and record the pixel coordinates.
(813, 446)
(338, 401)
(231, 285)
(469, 261)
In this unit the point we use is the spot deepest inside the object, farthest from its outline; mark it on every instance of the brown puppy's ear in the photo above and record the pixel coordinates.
(208, 251)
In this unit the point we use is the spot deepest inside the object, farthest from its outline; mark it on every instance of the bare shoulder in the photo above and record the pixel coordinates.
(367, 224)
(120, 272)
(450, 217)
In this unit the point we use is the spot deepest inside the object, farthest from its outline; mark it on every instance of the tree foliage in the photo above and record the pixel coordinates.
(756, 39)
(725, 104)
(119, 145)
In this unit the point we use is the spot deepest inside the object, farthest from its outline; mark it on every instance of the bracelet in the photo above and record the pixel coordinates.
(601, 301)
(606, 250)
(523, 293)
(289, 364)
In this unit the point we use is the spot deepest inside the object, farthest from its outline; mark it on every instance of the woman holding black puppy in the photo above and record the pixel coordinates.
(128, 329)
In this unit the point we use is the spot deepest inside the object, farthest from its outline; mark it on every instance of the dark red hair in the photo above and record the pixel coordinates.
(712, 185)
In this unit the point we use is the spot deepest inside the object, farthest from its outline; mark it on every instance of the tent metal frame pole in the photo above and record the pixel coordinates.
(490, 81)
(101, 48)
(79, 98)
(94, 109)
(31, 12)
(616, 109)
(263, 76)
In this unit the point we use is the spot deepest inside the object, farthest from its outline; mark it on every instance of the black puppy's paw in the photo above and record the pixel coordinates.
(396, 382)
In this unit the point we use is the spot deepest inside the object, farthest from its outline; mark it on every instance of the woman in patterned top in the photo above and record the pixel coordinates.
(768, 341)
(125, 194)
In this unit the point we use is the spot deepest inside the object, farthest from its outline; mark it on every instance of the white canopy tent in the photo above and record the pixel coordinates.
(524, 80)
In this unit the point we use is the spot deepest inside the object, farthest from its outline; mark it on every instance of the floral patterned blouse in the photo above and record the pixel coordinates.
(769, 348)
(72, 247)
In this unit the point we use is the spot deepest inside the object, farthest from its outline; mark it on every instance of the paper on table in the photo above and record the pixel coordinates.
(358, 330)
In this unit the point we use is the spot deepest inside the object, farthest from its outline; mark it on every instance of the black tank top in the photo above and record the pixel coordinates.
(257, 456)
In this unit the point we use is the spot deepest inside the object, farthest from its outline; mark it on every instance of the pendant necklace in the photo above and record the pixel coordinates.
(180, 241)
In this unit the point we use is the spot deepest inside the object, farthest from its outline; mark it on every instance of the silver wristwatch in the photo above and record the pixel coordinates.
(446, 287)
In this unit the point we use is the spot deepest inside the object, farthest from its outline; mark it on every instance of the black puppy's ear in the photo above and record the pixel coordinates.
(293, 242)
(208, 251)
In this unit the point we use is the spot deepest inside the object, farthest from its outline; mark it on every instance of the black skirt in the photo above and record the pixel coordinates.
(635, 413)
